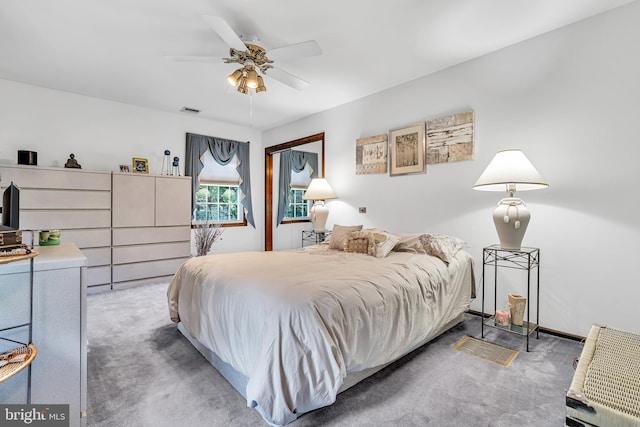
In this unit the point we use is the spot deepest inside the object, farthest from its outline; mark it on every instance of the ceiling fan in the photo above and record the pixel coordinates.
(253, 58)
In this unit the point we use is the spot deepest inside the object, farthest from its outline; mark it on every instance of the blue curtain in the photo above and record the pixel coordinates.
(222, 151)
(292, 160)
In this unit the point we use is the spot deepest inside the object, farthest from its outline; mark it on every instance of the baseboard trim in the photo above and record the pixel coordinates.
(542, 329)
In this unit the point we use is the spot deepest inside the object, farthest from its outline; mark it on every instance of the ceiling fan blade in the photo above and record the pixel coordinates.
(192, 58)
(294, 51)
(287, 78)
(226, 33)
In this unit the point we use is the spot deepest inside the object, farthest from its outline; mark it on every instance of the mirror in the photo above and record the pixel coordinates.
(271, 187)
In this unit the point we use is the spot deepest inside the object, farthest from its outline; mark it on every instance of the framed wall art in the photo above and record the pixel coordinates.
(371, 154)
(450, 138)
(140, 165)
(407, 150)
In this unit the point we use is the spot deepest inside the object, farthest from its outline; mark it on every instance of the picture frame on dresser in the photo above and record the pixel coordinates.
(140, 165)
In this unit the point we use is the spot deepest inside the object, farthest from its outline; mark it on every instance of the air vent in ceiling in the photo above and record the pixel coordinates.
(189, 110)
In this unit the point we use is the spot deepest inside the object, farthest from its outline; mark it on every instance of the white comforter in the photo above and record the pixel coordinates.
(295, 323)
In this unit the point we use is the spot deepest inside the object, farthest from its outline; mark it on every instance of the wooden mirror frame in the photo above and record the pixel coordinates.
(268, 180)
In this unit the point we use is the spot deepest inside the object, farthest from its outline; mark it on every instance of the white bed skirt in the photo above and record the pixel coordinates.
(239, 381)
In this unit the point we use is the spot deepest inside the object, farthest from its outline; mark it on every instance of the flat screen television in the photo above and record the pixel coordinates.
(11, 208)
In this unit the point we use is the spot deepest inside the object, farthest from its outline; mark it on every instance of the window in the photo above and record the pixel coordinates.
(219, 203)
(214, 163)
(218, 196)
(298, 207)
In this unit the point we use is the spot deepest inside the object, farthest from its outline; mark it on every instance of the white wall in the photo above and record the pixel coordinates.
(569, 99)
(104, 134)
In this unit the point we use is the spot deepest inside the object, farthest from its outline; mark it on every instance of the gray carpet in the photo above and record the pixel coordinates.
(142, 372)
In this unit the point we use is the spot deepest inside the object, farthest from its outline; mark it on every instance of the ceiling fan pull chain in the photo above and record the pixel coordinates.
(250, 108)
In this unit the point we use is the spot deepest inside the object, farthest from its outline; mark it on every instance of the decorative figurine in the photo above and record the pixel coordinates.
(72, 162)
(176, 169)
(165, 163)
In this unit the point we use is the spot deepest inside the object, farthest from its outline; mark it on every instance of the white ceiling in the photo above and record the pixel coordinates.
(114, 49)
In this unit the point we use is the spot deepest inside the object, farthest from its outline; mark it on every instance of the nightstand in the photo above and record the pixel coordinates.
(312, 237)
(527, 259)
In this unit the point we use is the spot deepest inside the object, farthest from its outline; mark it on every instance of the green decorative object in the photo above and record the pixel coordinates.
(49, 238)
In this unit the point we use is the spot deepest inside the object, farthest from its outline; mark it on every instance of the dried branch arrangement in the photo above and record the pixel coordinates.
(205, 235)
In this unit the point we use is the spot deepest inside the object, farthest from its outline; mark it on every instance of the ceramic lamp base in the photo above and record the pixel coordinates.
(511, 219)
(319, 215)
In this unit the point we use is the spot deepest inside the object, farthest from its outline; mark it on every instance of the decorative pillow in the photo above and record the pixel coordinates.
(340, 233)
(409, 242)
(383, 242)
(361, 242)
(441, 245)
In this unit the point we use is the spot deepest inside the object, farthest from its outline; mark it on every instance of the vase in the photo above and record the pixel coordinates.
(518, 304)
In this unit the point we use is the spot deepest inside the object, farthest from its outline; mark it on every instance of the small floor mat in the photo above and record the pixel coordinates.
(485, 350)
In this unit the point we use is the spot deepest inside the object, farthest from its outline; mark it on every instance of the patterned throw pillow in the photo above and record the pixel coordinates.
(361, 242)
(384, 243)
(340, 233)
(371, 242)
(441, 245)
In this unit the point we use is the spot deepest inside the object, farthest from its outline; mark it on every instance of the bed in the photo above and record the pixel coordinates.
(291, 329)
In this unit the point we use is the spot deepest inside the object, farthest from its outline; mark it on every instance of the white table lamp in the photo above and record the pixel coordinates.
(510, 170)
(319, 190)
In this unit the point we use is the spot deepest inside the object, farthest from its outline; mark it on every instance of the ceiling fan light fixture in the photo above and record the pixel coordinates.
(253, 59)
(252, 79)
(233, 78)
(261, 87)
(242, 86)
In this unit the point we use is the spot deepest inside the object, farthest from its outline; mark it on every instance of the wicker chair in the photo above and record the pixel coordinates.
(27, 352)
(605, 390)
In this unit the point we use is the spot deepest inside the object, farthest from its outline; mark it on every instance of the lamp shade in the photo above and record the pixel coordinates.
(234, 77)
(242, 86)
(261, 87)
(252, 79)
(510, 170)
(319, 189)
